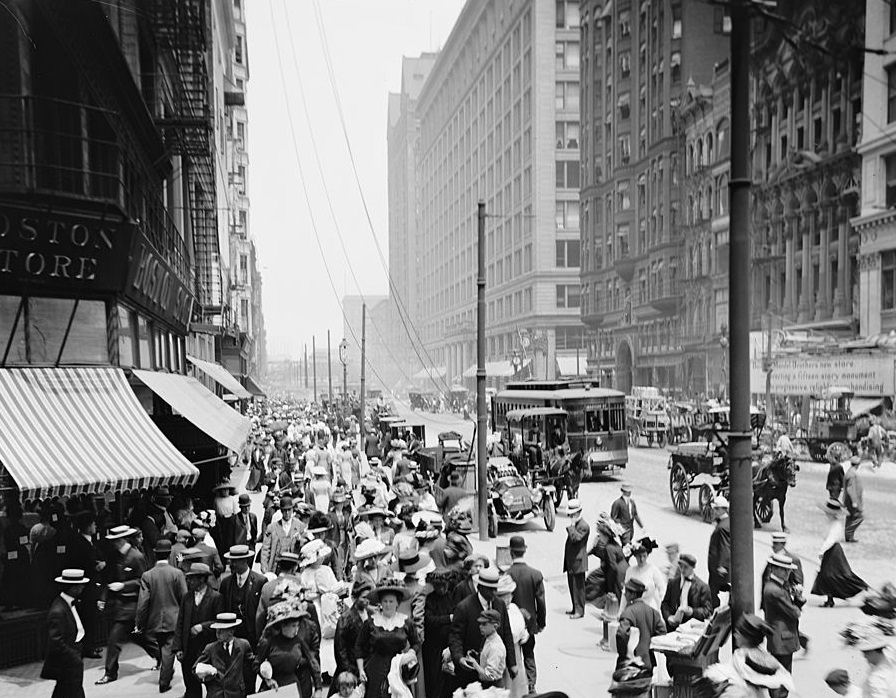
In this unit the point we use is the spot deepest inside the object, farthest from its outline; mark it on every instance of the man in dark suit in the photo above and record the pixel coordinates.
(529, 597)
(124, 587)
(575, 558)
(795, 585)
(246, 523)
(781, 611)
(161, 590)
(719, 555)
(230, 658)
(624, 512)
(834, 482)
(82, 554)
(638, 614)
(198, 609)
(63, 662)
(464, 634)
(853, 499)
(687, 596)
(240, 591)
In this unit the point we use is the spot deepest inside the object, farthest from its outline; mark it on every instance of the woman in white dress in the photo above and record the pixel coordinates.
(518, 686)
(322, 589)
(649, 574)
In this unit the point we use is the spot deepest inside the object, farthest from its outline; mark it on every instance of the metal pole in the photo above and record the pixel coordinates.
(481, 411)
(769, 408)
(329, 371)
(306, 366)
(314, 363)
(363, 416)
(740, 465)
(345, 409)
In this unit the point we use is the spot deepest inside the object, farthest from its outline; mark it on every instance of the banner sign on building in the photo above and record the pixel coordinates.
(154, 285)
(805, 374)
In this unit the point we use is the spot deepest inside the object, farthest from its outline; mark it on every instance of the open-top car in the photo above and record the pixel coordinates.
(539, 448)
(512, 501)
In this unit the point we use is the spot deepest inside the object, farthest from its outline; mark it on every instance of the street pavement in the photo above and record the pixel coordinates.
(567, 651)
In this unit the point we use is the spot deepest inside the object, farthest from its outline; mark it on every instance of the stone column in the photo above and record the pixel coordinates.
(823, 302)
(806, 288)
(842, 299)
(789, 277)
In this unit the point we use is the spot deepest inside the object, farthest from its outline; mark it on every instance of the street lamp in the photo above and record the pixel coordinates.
(723, 342)
(343, 357)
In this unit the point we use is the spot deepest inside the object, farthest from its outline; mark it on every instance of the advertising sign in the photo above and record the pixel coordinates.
(864, 374)
(154, 285)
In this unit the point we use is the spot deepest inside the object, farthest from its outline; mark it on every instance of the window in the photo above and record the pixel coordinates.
(622, 233)
(891, 94)
(568, 253)
(625, 23)
(675, 63)
(566, 96)
(567, 215)
(568, 174)
(238, 50)
(625, 64)
(890, 165)
(567, 14)
(570, 338)
(676, 22)
(144, 344)
(240, 130)
(568, 296)
(625, 149)
(623, 195)
(244, 313)
(567, 135)
(566, 55)
(892, 18)
(888, 280)
(624, 105)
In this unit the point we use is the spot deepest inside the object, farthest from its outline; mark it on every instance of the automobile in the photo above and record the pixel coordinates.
(512, 501)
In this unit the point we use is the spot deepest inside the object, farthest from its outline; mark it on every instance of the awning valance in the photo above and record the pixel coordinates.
(221, 376)
(253, 387)
(566, 366)
(200, 406)
(66, 431)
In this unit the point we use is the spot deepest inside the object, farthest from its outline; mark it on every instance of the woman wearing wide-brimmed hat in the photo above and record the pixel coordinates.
(384, 634)
(438, 607)
(654, 581)
(835, 577)
(288, 649)
(376, 517)
(339, 535)
(370, 561)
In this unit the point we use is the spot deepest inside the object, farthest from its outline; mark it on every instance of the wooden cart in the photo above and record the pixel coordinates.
(686, 667)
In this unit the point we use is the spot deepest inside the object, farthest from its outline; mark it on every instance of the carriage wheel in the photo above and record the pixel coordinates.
(707, 494)
(680, 489)
(663, 439)
(762, 507)
(550, 514)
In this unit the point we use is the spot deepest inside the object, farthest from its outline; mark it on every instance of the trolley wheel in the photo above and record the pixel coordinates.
(762, 508)
(550, 514)
(707, 494)
(680, 489)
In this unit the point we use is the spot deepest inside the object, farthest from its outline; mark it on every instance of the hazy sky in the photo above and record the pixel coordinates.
(367, 39)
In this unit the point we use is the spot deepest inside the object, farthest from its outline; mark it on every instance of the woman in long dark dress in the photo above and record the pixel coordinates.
(288, 652)
(835, 578)
(256, 470)
(384, 634)
(437, 622)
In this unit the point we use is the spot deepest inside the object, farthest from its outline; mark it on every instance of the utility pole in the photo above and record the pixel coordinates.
(481, 414)
(363, 416)
(769, 407)
(343, 358)
(314, 363)
(740, 462)
(329, 370)
(306, 365)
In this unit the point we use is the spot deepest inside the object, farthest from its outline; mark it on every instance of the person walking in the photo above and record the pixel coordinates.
(719, 555)
(835, 455)
(575, 558)
(82, 553)
(65, 632)
(852, 498)
(124, 588)
(624, 512)
(280, 536)
(782, 613)
(223, 664)
(647, 620)
(286, 583)
(348, 628)
(246, 523)
(162, 587)
(529, 596)
(835, 577)
(240, 591)
(687, 596)
(437, 618)
(795, 583)
(198, 609)
(288, 651)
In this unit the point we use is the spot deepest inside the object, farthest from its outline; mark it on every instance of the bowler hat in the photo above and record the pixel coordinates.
(244, 500)
(286, 502)
(636, 586)
(199, 569)
(163, 546)
(688, 558)
(517, 544)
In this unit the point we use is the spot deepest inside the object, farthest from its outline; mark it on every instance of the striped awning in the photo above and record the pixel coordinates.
(221, 376)
(253, 387)
(67, 431)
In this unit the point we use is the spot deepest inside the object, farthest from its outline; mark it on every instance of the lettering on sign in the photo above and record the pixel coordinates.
(157, 286)
(810, 375)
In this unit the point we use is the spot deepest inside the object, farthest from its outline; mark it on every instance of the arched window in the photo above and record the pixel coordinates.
(722, 141)
(689, 165)
(710, 151)
(698, 155)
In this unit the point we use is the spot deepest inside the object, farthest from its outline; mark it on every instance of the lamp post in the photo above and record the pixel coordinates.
(343, 357)
(723, 342)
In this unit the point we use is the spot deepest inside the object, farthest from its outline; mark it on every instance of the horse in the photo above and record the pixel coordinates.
(771, 481)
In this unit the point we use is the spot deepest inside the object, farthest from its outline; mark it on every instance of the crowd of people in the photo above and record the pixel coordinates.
(356, 577)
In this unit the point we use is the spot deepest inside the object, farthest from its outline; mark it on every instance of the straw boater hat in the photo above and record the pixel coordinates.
(223, 621)
(318, 470)
(224, 486)
(370, 547)
(719, 502)
(198, 569)
(781, 560)
(289, 557)
(873, 641)
(319, 523)
(832, 507)
(506, 585)
(432, 518)
(313, 551)
(367, 512)
(759, 668)
(388, 586)
(239, 552)
(284, 611)
(338, 495)
(120, 532)
(411, 560)
(573, 506)
(73, 577)
(487, 577)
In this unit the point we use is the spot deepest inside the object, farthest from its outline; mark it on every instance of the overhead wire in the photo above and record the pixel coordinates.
(329, 198)
(307, 196)
(403, 313)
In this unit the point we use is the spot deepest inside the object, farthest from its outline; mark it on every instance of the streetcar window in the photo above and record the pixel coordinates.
(617, 419)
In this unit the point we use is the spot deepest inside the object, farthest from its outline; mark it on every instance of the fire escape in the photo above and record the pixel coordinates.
(184, 30)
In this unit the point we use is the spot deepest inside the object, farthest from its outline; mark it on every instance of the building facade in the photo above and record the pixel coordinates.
(876, 222)
(499, 122)
(637, 62)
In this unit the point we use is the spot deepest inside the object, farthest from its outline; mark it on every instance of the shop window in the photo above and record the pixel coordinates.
(12, 336)
(888, 280)
(54, 330)
(47, 321)
(144, 344)
(86, 342)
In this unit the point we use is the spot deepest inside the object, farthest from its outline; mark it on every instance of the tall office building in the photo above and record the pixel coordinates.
(499, 122)
(636, 62)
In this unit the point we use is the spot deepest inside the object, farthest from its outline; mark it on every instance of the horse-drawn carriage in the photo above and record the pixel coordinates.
(831, 420)
(704, 466)
(539, 449)
(646, 417)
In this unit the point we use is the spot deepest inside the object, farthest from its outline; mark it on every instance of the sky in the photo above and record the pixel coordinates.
(366, 39)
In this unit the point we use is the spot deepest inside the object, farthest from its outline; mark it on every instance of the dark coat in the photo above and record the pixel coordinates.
(82, 554)
(161, 591)
(229, 681)
(852, 491)
(575, 554)
(529, 595)
(719, 554)
(648, 621)
(63, 659)
(783, 615)
(189, 615)
(243, 602)
(246, 535)
(127, 569)
(464, 633)
(834, 482)
(699, 599)
(348, 627)
(620, 514)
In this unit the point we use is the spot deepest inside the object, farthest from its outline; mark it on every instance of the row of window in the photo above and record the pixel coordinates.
(512, 304)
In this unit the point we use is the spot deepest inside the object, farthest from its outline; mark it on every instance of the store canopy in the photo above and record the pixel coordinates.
(199, 406)
(864, 405)
(221, 376)
(566, 366)
(253, 387)
(493, 369)
(430, 373)
(66, 431)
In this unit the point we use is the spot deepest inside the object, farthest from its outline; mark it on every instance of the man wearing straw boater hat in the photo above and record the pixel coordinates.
(782, 610)
(225, 663)
(198, 610)
(65, 631)
(575, 558)
(127, 568)
(240, 592)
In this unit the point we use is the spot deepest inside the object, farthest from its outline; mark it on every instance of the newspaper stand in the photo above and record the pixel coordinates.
(686, 665)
